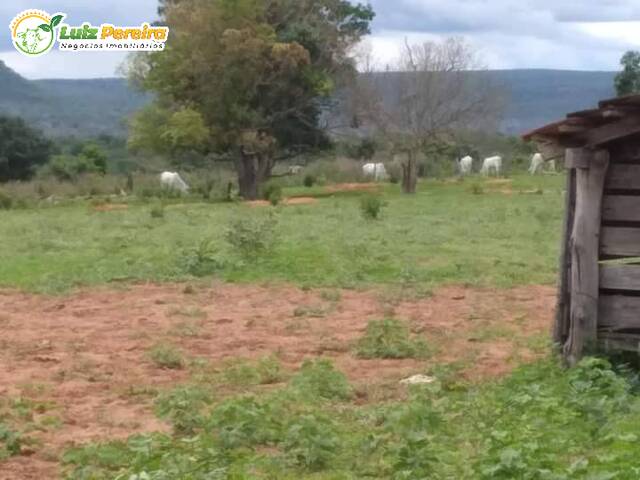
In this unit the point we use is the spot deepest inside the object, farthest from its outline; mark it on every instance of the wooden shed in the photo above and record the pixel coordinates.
(598, 305)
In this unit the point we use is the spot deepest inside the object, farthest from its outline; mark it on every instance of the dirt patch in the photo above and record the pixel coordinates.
(352, 187)
(499, 181)
(110, 207)
(300, 201)
(87, 353)
(286, 201)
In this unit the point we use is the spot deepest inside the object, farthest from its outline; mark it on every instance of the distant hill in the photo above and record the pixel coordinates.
(98, 106)
(81, 108)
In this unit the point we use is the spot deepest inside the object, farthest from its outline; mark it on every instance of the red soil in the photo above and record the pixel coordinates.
(86, 352)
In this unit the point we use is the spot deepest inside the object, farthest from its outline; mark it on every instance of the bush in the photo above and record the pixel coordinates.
(157, 211)
(183, 406)
(252, 237)
(202, 260)
(309, 180)
(167, 356)
(6, 201)
(311, 442)
(272, 193)
(320, 379)
(389, 338)
(476, 189)
(371, 206)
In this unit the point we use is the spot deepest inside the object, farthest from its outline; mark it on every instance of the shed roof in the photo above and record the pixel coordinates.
(613, 119)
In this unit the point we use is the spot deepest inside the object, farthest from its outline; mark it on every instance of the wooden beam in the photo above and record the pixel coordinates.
(629, 125)
(584, 254)
(577, 158)
(615, 342)
(561, 324)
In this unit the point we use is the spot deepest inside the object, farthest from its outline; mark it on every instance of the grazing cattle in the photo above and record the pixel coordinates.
(492, 164)
(552, 166)
(173, 181)
(295, 169)
(537, 164)
(29, 39)
(375, 170)
(466, 165)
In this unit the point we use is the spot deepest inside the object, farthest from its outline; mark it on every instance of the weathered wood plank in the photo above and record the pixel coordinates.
(623, 242)
(585, 278)
(621, 208)
(620, 277)
(629, 125)
(619, 312)
(623, 177)
(615, 342)
(561, 324)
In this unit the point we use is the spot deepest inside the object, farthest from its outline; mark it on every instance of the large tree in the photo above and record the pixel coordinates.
(435, 91)
(255, 72)
(628, 80)
(22, 149)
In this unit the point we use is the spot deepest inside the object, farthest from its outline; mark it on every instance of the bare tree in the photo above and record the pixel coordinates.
(436, 89)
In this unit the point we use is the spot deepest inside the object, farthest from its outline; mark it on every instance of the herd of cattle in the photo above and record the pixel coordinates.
(378, 172)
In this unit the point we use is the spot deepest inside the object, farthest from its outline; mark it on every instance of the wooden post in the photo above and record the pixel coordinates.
(561, 324)
(590, 171)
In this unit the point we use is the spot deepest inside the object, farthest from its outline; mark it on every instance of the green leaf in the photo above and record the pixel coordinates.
(45, 27)
(55, 21)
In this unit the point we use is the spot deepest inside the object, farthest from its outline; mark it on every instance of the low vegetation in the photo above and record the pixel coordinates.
(540, 422)
(390, 338)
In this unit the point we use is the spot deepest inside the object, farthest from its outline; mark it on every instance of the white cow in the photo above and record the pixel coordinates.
(552, 166)
(173, 181)
(375, 170)
(466, 165)
(30, 38)
(537, 164)
(492, 163)
(295, 169)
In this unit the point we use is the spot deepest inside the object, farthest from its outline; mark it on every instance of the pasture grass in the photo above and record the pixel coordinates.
(506, 236)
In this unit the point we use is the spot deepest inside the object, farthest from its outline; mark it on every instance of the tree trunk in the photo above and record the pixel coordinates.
(409, 174)
(252, 169)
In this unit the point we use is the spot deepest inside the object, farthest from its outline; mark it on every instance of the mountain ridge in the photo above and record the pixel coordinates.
(91, 107)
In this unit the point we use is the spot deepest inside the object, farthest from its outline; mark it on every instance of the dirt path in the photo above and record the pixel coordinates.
(83, 359)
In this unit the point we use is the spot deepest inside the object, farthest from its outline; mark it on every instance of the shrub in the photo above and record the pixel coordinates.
(251, 237)
(166, 356)
(202, 260)
(246, 422)
(476, 189)
(5, 201)
(320, 379)
(157, 211)
(272, 193)
(183, 406)
(311, 442)
(371, 206)
(266, 371)
(389, 338)
(10, 442)
(309, 180)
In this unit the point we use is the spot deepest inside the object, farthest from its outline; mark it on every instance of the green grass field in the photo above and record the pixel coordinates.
(444, 234)
(260, 420)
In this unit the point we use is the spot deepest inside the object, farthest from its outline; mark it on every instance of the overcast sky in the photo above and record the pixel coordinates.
(565, 34)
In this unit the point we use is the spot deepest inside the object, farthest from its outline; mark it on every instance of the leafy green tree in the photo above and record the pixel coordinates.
(257, 72)
(628, 80)
(22, 149)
